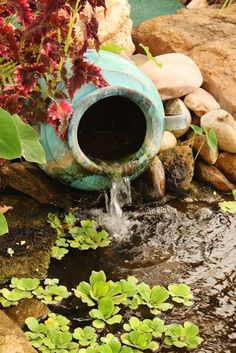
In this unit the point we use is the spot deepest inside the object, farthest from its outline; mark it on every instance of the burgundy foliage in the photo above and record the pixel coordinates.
(36, 41)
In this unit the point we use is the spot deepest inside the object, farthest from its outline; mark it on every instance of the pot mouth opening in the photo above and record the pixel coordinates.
(111, 130)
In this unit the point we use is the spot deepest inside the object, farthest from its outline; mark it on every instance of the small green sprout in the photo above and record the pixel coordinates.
(150, 56)
(107, 312)
(183, 336)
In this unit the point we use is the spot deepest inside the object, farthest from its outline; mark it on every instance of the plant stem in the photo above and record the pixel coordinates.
(199, 150)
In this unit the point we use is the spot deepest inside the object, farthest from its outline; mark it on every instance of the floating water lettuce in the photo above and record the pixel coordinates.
(107, 312)
(183, 336)
(181, 293)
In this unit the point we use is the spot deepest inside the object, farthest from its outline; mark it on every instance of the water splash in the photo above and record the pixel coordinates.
(120, 196)
(117, 223)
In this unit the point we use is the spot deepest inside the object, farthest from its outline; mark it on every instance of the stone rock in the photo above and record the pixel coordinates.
(151, 184)
(115, 25)
(27, 178)
(198, 4)
(27, 308)
(176, 106)
(211, 175)
(139, 59)
(179, 167)
(201, 102)
(12, 338)
(206, 153)
(226, 163)
(225, 127)
(209, 40)
(178, 76)
(168, 141)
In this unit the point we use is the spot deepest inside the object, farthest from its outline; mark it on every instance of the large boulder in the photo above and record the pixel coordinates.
(115, 25)
(12, 338)
(208, 39)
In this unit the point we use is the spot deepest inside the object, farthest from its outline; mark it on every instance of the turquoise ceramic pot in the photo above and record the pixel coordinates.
(114, 131)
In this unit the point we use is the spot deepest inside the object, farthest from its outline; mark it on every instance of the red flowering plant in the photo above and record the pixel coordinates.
(42, 62)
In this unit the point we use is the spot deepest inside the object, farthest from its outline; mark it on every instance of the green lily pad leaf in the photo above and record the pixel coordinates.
(3, 225)
(10, 146)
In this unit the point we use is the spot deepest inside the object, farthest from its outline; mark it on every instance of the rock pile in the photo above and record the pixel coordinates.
(183, 153)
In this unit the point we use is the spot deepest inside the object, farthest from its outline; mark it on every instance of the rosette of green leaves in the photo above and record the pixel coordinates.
(57, 321)
(86, 336)
(111, 344)
(52, 293)
(22, 288)
(181, 293)
(107, 312)
(183, 336)
(98, 288)
(156, 326)
(87, 237)
(155, 298)
(129, 289)
(50, 338)
(140, 340)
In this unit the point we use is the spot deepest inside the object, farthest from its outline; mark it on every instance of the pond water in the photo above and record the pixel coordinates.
(171, 241)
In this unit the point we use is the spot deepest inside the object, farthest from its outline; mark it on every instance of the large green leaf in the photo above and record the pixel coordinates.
(3, 225)
(31, 149)
(10, 146)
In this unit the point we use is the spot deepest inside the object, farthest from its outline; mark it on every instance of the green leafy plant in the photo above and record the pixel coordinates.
(107, 312)
(98, 288)
(51, 293)
(87, 237)
(52, 336)
(82, 237)
(181, 293)
(183, 336)
(229, 206)
(113, 345)
(86, 336)
(140, 340)
(211, 137)
(155, 326)
(155, 298)
(17, 139)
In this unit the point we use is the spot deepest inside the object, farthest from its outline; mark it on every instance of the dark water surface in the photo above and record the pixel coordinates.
(189, 242)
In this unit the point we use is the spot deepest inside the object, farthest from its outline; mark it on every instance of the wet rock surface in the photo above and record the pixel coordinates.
(27, 308)
(152, 183)
(211, 175)
(178, 165)
(30, 180)
(12, 339)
